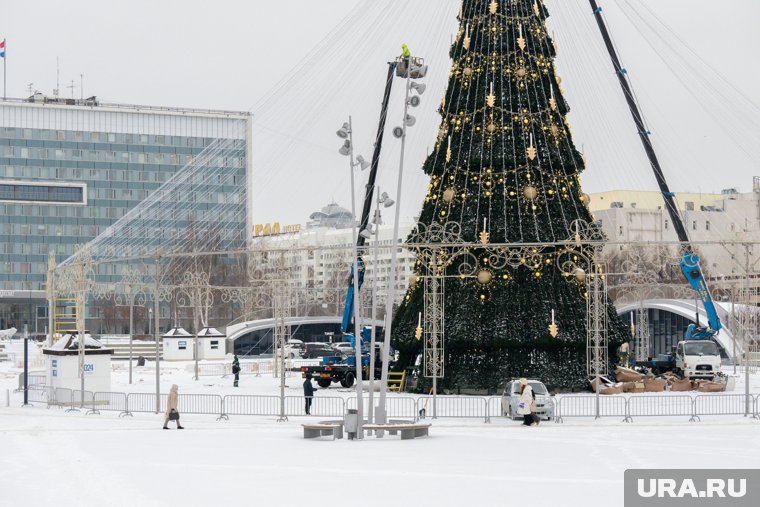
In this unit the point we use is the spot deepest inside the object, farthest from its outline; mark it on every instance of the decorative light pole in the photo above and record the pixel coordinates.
(399, 132)
(346, 132)
(387, 202)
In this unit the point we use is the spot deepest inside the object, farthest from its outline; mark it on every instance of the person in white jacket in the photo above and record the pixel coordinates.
(525, 403)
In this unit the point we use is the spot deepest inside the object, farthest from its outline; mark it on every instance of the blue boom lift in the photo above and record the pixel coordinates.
(689, 261)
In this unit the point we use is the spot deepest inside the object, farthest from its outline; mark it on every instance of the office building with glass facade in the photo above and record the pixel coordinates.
(69, 169)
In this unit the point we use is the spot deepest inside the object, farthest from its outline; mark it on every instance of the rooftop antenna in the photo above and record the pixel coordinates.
(81, 86)
(30, 87)
(57, 78)
(71, 86)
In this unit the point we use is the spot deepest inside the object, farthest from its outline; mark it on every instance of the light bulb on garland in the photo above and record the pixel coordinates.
(530, 192)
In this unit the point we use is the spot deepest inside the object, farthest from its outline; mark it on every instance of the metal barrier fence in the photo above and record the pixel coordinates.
(661, 405)
(724, 404)
(454, 406)
(32, 380)
(395, 406)
(144, 402)
(322, 406)
(117, 402)
(585, 406)
(239, 404)
(693, 406)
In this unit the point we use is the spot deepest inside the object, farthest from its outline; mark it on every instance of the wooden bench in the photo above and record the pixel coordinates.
(408, 431)
(321, 430)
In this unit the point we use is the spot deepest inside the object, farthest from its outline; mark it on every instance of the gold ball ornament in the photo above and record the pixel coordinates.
(448, 195)
(580, 275)
(484, 276)
(491, 128)
(413, 280)
(554, 130)
(585, 199)
(530, 192)
(467, 71)
(521, 72)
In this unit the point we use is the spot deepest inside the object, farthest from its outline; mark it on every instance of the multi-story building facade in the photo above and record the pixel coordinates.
(717, 224)
(71, 168)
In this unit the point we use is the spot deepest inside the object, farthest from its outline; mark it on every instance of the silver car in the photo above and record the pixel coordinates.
(510, 399)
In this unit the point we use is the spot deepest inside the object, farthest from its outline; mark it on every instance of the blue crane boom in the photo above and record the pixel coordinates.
(689, 261)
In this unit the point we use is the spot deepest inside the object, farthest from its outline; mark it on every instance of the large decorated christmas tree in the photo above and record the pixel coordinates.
(505, 165)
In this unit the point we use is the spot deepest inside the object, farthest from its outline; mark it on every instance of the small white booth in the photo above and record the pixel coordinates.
(63, 363)
(178, 345)
(211, 344)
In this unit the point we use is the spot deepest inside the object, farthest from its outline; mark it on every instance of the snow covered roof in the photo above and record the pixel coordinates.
(176, 332)
(210, 332)
(70, 341)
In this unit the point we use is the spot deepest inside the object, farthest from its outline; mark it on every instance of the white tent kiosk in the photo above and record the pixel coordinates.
(178, 345)
(211, 344)
(63, 364)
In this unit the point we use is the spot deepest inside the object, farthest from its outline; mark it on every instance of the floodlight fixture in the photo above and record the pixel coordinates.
(410, 120)
(345, 150)
(414, 101)
(386, 201)
(418, 87)
(366, 233)
(362, 163)
(398, 132)
(344, 131)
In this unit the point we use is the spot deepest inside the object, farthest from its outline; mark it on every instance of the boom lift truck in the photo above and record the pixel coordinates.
(690, 359)
(337, 368)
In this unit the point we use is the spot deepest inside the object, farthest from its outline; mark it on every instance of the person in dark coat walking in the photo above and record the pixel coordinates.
(308, 392)
(236, 371)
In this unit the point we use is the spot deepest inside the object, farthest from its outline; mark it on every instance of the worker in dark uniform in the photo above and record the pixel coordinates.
(308, 393)
(236, 370)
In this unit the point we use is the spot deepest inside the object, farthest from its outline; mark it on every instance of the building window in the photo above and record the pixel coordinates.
(694, 225)
(111, 138)
(60, 135)
(215, 343)
(94, 137)
(620, 230)
(41, 193)
(666, 224)
(707, 225)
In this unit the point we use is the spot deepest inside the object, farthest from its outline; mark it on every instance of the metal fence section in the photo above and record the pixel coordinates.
(214, 369)
(199, 404)
(32, 380)
(144, 402)
(40, 395)
(454, 406)
(585, 406)
(322, 406)
(723, 404)
(116, 402)
(240, 404)
(661, 405)
(395, 406)
(494, 407)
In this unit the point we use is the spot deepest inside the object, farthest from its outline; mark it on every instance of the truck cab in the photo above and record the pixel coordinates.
(698, 359)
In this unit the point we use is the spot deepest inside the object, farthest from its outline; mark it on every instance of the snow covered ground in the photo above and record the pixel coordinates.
(51, 457)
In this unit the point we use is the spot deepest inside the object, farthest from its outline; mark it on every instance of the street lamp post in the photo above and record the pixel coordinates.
(392, 278)
(367, 233)
(346, 132)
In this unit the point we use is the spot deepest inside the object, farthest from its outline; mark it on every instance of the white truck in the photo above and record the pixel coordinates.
(697, 359)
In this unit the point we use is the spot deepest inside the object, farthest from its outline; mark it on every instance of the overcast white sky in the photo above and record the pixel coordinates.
(228, 54)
